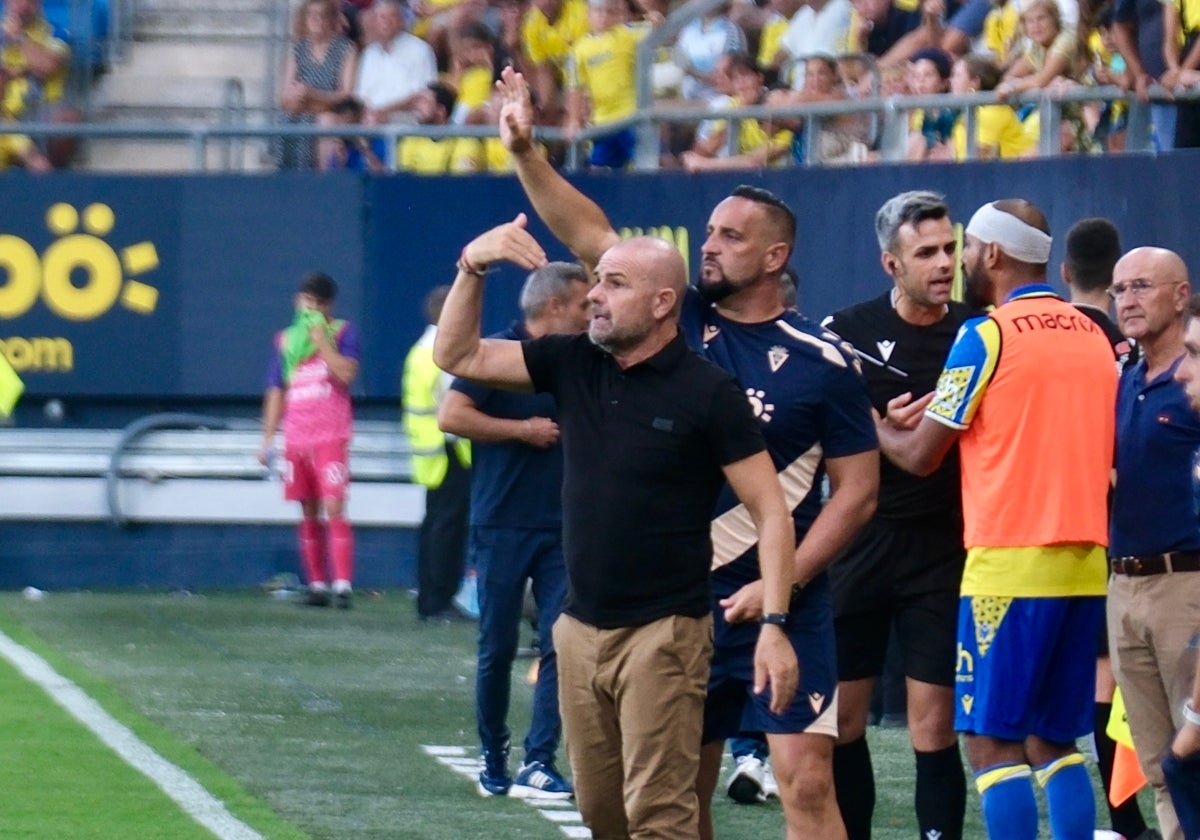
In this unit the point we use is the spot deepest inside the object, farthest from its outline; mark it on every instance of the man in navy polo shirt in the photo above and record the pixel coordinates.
(516, 535)
(1154, 591)
(651, 433)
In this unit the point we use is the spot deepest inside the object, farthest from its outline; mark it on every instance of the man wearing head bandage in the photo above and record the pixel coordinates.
(1035, 520)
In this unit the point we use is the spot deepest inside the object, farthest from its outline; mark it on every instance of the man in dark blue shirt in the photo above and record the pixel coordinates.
(1154, 545)
(651, 433)
(516, 535)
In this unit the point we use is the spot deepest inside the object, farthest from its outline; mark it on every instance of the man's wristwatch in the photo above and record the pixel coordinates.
(1190, 715)
(778, 619)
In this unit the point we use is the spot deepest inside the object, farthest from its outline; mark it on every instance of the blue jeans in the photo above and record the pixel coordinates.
(1183, 781)
(505, 558)
(749, 744)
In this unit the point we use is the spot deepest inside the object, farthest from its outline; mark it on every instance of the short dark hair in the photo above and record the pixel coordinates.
(1093, 248)
(475, 30)
(444, 95)
(434, 300)
(739, 60)
(1193, 306)
(319, 285)
(776, 208)
(347, 106)
(983, 68)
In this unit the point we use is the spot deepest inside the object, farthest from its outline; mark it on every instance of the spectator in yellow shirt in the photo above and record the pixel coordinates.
(438, 155)
(548, 34)
(605, 88)
(33, 70)
(999, 132)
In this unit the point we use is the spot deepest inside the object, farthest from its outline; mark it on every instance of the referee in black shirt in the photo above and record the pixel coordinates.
(649, 431)
(904, 569)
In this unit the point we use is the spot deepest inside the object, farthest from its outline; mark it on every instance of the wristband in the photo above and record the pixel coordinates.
(1190, 715)
(466, 267)
(778, 619)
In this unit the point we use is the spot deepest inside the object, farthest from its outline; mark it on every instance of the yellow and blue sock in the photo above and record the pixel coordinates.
(1009, 806)
(1069, 796)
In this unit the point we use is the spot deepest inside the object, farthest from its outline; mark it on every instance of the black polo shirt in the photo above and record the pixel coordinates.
(643, 450)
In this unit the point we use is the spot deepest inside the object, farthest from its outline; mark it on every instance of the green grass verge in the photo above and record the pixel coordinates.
(304, 722)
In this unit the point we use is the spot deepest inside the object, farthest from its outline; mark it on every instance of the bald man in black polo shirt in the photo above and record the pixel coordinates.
(650, 431)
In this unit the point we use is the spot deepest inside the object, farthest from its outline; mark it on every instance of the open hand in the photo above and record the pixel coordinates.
(509, 241)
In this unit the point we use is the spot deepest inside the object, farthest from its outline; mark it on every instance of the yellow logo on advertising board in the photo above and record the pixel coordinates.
(79, 277)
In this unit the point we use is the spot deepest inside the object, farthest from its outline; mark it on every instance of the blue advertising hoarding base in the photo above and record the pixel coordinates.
(92, 555)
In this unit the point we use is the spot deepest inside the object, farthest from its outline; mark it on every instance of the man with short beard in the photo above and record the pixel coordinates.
(902, 573)
(812, 406)
(651, 435)
(1035, 520)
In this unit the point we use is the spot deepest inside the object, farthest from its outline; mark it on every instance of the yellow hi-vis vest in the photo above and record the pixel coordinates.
(423, 385)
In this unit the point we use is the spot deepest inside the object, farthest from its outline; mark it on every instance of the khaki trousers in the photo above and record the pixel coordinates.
(632, 705)
(1152, 626)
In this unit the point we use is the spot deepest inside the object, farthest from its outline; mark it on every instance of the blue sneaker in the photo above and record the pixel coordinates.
(495, 780)
(541, 780)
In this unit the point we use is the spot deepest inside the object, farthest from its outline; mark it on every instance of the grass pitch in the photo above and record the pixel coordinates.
(305, 722)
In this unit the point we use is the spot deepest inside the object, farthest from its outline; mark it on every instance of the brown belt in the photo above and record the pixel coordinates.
(1157, 564)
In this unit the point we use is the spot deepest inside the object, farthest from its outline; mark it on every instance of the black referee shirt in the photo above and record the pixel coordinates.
(907, 358)
(643, 450)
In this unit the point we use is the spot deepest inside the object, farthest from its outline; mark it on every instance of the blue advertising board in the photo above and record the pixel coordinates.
(146, 288)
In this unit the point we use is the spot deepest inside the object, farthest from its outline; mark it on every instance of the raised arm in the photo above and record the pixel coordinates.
(458, 349)
(344, 368)
(575, 219)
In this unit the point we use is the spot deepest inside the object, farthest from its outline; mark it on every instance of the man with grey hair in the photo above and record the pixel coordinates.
(394, 71)
(516, 535)
(1035, 519)
(1153, 610)
(902, 572)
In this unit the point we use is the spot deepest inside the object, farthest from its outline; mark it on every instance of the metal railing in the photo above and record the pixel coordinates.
(892, 111)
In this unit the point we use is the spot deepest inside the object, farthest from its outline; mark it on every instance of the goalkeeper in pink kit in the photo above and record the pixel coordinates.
(308, 389)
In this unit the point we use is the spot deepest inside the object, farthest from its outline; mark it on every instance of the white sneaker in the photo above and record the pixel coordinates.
(770, 786)
(746, 782)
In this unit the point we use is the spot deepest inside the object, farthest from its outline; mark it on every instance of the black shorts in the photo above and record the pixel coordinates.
(900, 574)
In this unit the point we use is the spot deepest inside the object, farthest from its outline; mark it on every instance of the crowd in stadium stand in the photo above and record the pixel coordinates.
(34, 62)
(377, 62)
(434, 61)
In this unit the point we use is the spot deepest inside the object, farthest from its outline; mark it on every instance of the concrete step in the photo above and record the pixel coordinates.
(229, 25)
(212, 6)
(177, 92)
(190, 59)
(169, 156)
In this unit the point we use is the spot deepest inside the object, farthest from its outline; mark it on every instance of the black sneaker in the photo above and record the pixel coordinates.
(343, 600)
(317, 598)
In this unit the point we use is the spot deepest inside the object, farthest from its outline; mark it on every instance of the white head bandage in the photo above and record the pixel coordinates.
(1016, 238)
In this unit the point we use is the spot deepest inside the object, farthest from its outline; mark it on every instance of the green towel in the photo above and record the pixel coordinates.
(297, 339)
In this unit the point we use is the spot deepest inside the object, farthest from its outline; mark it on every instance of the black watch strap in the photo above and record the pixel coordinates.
(778, 619)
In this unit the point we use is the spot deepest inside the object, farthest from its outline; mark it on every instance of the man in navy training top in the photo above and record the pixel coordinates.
(516, 535)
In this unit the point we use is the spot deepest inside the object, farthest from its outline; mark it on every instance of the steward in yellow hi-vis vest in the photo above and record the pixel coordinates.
(442, 465)
(423, 386)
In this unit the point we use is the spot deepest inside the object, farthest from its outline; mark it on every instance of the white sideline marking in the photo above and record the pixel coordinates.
(568, 822)
(199, 804)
